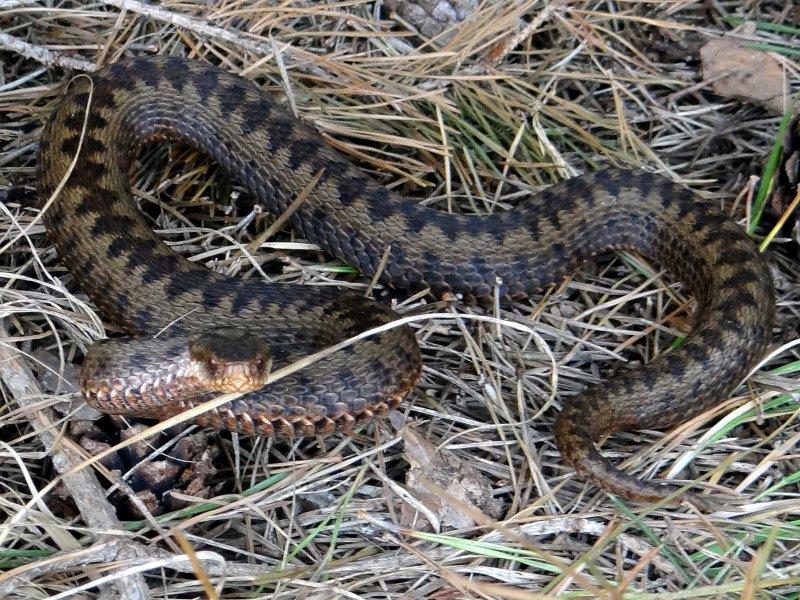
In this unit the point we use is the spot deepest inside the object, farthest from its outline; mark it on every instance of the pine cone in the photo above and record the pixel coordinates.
(432, 17)
(186, 468)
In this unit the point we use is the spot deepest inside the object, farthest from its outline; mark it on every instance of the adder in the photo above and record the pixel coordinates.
(195, 333)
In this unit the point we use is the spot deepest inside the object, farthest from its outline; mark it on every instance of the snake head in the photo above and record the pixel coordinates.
(230, 359)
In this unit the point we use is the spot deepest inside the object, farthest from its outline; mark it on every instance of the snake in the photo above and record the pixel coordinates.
(191, 333)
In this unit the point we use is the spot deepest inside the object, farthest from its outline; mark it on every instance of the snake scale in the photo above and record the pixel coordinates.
(142, 286)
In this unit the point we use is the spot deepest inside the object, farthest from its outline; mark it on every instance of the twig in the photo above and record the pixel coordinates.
(238, 38)
(148, 557)
(284, 216)
(43, 55)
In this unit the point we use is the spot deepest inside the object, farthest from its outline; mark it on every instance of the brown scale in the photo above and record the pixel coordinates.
(139, 283)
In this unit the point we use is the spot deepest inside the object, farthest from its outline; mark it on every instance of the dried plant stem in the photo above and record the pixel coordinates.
(43, 55)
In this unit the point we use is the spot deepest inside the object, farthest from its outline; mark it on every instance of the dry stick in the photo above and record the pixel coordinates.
(82, 484)
(211, 562)
(284, 216)
(9, 4)
(168, 563)
(198, 26)
(197, 566)
(237, 38)
(379, 271)
(43, 55)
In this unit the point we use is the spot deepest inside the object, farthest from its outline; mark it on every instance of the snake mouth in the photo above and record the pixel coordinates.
(241, 377)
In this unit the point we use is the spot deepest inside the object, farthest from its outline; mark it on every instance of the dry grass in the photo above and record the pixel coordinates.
(521, 96)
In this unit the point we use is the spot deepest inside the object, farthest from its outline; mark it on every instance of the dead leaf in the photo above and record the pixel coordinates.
(750, 75)
(455, 492)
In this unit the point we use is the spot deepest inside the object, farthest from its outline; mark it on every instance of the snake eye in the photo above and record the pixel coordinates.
(213, 365)
(260, 363)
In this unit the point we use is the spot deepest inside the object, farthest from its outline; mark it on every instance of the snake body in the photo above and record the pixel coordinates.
(144, 287)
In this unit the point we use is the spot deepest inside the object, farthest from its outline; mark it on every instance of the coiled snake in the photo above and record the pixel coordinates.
(221, 332)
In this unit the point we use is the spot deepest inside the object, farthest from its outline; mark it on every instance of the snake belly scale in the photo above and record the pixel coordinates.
(142, 286)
